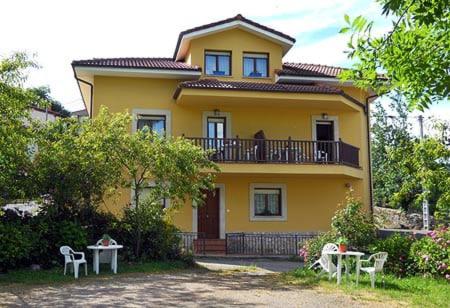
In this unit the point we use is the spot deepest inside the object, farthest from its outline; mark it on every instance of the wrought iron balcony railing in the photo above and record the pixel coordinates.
(279, 151)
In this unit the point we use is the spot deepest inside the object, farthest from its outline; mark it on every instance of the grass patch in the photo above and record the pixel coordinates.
(415, 291)
(55, 275)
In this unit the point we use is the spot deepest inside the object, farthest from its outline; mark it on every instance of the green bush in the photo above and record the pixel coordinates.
(15, 245)
(431, 254)
(147, 234)
(312, 249)
(354, 224)
(398, 248)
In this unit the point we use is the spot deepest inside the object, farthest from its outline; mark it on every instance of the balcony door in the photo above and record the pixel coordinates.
(216, 127)
(325, 130)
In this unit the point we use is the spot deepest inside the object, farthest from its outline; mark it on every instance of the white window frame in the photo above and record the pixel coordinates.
(149, 184)
(318, 118)
(284, 205)
(153, 112)
(212, 114)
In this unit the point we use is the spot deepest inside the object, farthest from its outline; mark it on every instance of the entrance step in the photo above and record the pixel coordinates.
(209, 246)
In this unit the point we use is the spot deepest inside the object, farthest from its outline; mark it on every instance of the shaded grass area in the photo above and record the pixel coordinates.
(416, 291)
(56, 276)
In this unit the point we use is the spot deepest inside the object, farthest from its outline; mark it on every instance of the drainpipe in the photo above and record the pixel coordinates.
(91, 86)
(368, 148)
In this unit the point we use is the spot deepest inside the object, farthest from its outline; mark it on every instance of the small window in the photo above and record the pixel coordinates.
(218, 63)
(156, 123)
(267, 202)
(216, 127)
(145, 192)
(256, 65)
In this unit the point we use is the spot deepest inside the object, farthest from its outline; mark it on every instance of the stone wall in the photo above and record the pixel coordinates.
(386, 218)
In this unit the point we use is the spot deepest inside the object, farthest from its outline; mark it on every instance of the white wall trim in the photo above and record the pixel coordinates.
(222, 212)
(316, 118)
(330, 80)
(137, 72)
(226, 115)
(284, 206)
(165, 112)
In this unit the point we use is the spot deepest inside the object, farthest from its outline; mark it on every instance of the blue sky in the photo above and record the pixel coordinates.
(61, 31)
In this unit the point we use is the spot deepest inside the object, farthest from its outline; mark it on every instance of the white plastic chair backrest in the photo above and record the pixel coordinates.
(379, 260)
(330, 247)
(67, 252)
(111, 242)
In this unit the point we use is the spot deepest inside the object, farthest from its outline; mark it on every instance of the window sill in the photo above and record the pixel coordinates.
(268, 218)
(218, 76)
(258, 78)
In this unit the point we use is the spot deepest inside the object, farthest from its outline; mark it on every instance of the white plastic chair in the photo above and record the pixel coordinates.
(69, 258)
(378, 262)
(105, 256)
(324, 259)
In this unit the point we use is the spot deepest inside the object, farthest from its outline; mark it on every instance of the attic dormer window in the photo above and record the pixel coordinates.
(218, 63)
(256, 64)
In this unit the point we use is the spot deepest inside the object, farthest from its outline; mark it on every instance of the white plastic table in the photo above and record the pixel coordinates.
(339, 255)
(96, 249)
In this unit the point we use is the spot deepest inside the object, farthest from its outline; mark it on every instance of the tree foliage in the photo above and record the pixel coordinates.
(44, 95)
(414, 56)
(388, 131)
(15, 135)
(407, 170)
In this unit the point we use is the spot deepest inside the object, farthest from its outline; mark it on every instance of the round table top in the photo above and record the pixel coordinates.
(109, 247)
(347, 253)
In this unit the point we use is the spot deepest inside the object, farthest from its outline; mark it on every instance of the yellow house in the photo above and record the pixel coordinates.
(290, 138)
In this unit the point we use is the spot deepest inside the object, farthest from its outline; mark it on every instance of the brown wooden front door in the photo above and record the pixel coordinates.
(209, 215)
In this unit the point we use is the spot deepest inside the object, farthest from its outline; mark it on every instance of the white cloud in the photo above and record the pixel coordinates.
(61, 31)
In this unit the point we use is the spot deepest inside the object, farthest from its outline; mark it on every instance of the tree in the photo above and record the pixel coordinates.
(15, 135)
(73, 165)
(425, 166)
(43, 94)
(178, 169)
(389, 131)
(414, 56)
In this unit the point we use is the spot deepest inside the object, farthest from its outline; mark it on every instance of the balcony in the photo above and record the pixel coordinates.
(236, 150)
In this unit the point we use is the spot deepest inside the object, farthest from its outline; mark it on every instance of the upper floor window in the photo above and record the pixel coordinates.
(216, 127)
(218, 63)
(256, 64)
(156, 123)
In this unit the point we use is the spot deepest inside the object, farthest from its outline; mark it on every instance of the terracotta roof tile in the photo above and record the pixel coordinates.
(215, 84)
(309, 70)
(140, 63)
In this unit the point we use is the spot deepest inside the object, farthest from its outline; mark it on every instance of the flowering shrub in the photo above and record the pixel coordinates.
(431, 254)
(312, 249)
(354, 224)
(397, 247)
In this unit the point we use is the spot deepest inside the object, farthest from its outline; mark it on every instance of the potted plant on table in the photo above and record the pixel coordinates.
(105, 240)
(343, 243)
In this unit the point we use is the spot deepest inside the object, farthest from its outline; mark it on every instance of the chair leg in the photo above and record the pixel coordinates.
(85, 268)
(75, 269)
(65, 268)
(372, 280)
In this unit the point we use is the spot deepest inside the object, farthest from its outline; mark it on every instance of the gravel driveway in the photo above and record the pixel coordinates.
(191, 288)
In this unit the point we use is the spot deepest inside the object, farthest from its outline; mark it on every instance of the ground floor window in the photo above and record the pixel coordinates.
(268, 202)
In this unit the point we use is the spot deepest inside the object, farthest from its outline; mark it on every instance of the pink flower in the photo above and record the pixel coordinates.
(426, 258)
(447, 276)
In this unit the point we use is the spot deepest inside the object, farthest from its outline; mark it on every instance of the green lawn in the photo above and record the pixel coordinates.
(55, 275)
(416, 291)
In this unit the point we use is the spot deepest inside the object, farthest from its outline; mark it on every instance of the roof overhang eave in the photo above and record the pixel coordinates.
(137, 72)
